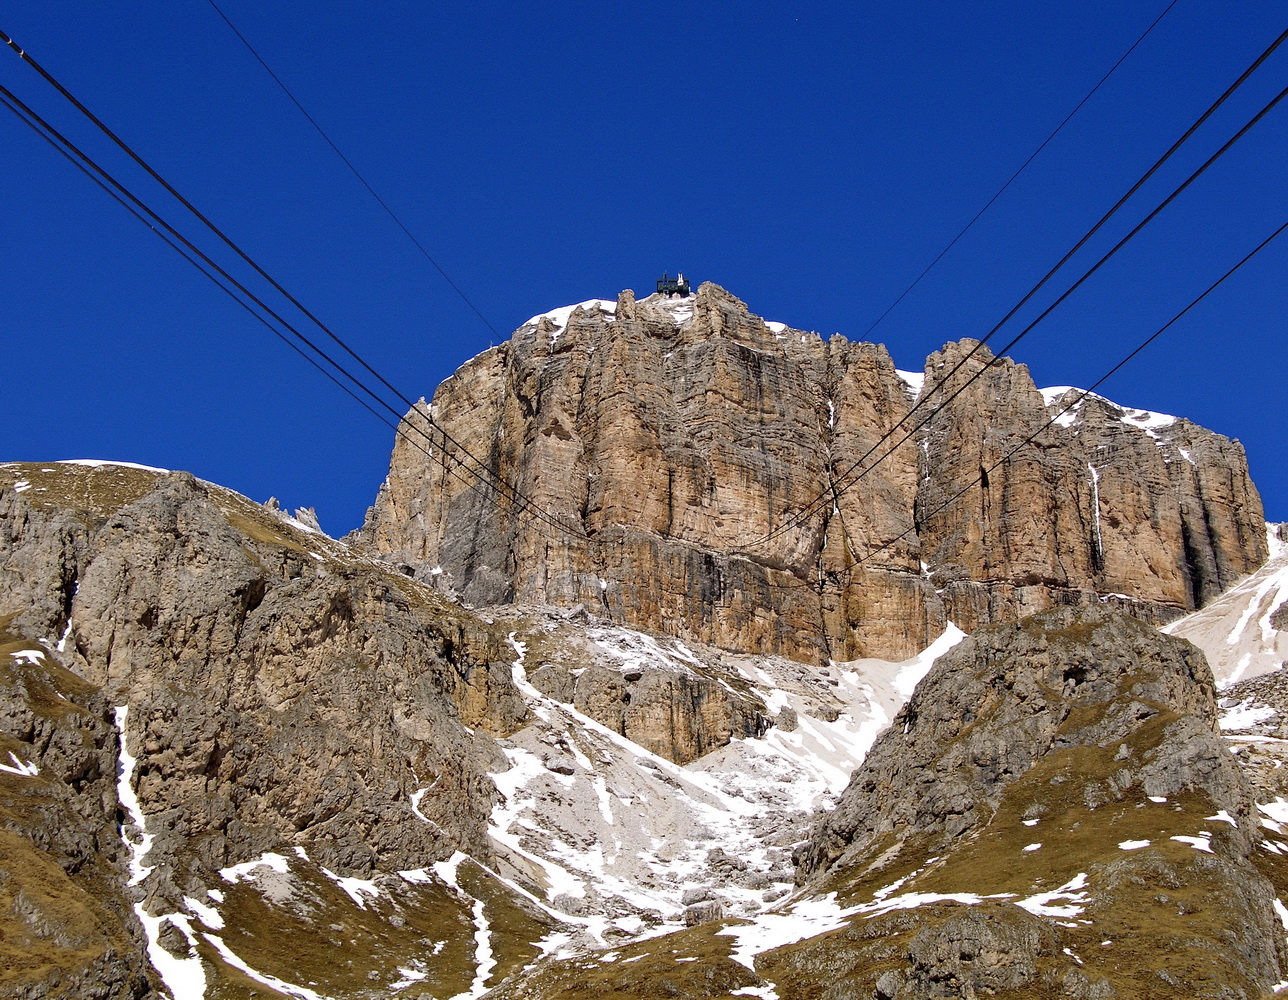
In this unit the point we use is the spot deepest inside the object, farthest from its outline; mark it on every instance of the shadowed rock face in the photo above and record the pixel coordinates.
(671, 437)
(280, 696)
(1149, 508)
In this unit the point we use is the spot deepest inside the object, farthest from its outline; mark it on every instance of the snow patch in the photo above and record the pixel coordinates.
(1147, 420)
(125, 793)
(1043, 904)
(1095, 508)
(184, 977)
(95, 463)
(484, 960)
(247, 869)
(560, 317)
(446, 870)
(767, 931)
(1245, 715)
(208, 915)
(24, 769)
(263, 978)
(356, 889)
(1276, 814)
(914, 381)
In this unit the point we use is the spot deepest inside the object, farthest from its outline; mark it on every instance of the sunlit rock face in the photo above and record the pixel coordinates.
(703, 473)
(1053, 789)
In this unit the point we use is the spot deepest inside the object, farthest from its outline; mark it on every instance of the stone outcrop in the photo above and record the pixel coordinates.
(281, 695)
(65, 921)
(228, 735)
(1084, 739)
(676, 708)
(702, 473)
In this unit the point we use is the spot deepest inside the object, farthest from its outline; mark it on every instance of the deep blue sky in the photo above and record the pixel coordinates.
(811, 158)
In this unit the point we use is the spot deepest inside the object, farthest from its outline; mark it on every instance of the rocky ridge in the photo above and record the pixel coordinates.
(280, 735)
(1054, 813)
(261, 762)
(259, 689)
(676, 440)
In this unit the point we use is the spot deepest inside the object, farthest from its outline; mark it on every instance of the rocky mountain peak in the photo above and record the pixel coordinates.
(726, 479)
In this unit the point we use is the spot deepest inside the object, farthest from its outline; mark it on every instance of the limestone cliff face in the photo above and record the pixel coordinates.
(676, 442)
(1157, 514)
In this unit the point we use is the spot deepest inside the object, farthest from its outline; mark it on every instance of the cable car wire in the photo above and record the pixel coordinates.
(356, 173)
(1002, 190)
(211, 271)
(819, 502)
(847, 570)
(1086, 275)
(480, 468)
(87, 163)
(1083, 394)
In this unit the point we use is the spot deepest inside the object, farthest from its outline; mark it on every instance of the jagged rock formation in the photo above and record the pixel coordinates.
(307, 724)
(1080, 739)
(63, 917)
(280, 695)
(256, 758)
(679, 711)
(677, 440)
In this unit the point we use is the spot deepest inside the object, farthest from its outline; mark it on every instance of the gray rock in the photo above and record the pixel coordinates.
(1028, 722)
(887, 987)
(280, 695)
(703, 913)
(698, 894)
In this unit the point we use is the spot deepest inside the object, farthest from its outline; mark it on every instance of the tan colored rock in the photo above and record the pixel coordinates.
(671, 439)
(1077, 733)
(1155, 514)
(702, 474)
(280, 691)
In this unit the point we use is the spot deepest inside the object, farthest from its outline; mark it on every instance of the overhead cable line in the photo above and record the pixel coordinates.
(1082, 396)
(53, 138)
(1077, 284)
(1002, 190)
(849, 567)
(820, 501)
(480, 468)
(356, 173)
(203, 264)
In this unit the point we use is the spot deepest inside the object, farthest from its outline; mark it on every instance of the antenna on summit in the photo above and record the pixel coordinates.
(666, 285)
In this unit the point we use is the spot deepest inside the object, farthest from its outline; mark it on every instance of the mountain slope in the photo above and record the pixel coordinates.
(330, 780)
(257, 763)
(1244, 632)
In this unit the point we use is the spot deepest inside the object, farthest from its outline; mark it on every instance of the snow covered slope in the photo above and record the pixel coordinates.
(620, 843)
(1237, 631)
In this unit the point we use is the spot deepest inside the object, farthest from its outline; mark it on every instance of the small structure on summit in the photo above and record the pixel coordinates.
(666, 285)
